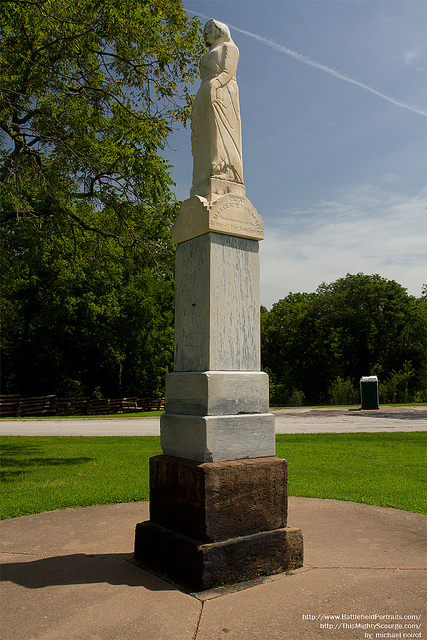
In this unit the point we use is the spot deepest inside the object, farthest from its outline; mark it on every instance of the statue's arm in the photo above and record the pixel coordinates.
(228, 64)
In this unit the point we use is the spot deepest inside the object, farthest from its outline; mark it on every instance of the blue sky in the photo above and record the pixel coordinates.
(333, 106)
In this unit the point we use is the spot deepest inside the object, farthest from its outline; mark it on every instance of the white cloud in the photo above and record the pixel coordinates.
(367, 229)
(411, 56)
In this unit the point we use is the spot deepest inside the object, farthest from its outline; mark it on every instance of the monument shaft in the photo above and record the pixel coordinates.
(217, 304)
(218, 494)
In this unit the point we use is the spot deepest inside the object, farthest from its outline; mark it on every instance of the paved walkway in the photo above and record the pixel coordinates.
(67, 576)
(303, 420)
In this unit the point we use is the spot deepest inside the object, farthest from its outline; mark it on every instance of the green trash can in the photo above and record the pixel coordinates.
(369, 392)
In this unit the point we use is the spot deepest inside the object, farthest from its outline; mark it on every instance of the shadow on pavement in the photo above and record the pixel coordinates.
(397, 415)
(81, 568)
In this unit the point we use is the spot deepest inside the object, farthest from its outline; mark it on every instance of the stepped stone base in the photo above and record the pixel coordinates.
(216, 438)
(201, 566)
(218, 523)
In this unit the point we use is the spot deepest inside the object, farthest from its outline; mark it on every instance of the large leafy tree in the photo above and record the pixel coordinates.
(294, 350)
(374, 323)
(90, 92)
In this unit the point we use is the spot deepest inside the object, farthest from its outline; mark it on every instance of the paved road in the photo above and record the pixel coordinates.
(303, 420)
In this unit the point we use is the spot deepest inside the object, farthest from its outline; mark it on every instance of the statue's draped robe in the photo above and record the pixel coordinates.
(216, 137)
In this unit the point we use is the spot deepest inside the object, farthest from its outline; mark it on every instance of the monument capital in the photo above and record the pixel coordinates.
(230, 214)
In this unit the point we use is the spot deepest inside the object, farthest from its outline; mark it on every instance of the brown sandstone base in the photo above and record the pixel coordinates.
(219, 522)
(214, 501)
(201, 566)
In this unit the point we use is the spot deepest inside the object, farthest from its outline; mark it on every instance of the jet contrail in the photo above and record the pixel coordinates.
(317, 65)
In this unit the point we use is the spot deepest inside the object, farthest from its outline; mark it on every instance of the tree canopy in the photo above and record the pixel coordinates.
(317, 346)
(90, 92)
(82, 317)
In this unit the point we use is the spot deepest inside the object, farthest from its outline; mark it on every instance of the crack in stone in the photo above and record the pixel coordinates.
(199, 620)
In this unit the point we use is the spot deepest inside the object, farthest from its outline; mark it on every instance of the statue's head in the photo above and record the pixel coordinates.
(214, 30)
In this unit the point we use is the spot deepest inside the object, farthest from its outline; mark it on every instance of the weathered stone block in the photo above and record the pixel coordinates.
(217, 392)
(205, 566)
(216, 438)
(217, 501)
(217, 325)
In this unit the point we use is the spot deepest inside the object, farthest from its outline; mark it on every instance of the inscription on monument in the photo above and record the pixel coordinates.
(237, 215)
(229, 214)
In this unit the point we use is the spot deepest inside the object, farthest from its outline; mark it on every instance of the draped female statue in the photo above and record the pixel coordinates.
(216, 139)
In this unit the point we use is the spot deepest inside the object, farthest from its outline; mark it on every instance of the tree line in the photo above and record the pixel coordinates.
(78, 320)
(317, 346)
(90, 93)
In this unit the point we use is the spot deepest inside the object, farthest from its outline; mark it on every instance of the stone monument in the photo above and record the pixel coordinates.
(218, 494)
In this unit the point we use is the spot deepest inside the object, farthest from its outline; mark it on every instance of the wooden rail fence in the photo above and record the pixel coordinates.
(13, 406)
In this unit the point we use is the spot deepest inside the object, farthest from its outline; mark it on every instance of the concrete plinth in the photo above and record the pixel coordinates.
(210, 393)
(216, 438)
(218, 523)
(217, 415)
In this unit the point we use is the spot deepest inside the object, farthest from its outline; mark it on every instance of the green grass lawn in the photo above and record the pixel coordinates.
(386, 469)
(45, 473)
